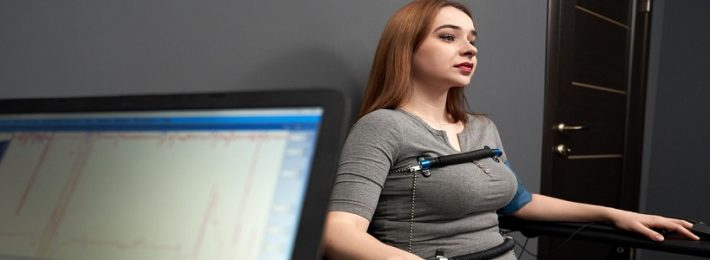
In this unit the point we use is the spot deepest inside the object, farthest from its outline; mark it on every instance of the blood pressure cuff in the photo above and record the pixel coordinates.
(522, 197)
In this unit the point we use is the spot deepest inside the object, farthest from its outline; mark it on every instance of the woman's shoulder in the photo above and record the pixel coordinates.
(481, 123)
(378, 127)
(479, 119)
(381, 117)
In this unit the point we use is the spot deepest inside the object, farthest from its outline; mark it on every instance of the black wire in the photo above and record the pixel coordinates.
(522, 246)
(570, 237)
(557, 249)
(525, 250)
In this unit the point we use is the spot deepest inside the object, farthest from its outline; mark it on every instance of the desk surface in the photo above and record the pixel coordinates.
(606, 233)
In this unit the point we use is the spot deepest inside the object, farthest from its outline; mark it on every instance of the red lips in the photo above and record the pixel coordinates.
(465, 67)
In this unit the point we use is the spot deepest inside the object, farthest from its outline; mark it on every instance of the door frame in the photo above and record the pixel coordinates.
(635, 105)
(636, 100)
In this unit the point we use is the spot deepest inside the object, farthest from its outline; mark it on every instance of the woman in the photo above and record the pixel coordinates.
(415, 106)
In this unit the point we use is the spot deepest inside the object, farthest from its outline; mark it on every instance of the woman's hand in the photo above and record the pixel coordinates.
(644, 224)
(545, 208)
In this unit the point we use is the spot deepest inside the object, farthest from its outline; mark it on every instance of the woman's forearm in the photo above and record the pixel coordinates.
(546, 208)
(345, 240)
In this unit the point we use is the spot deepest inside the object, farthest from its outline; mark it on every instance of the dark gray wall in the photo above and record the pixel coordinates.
(84, 48)
(678, 127)
(87, 48)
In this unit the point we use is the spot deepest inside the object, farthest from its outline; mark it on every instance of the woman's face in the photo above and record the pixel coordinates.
(447, 56)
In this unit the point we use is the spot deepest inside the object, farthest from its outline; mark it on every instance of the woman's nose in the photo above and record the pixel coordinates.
(469, 50)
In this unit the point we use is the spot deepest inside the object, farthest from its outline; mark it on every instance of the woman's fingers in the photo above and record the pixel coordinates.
(683, 223)
(647, 225)
(648, 232)
(671, 225)
(683, 227)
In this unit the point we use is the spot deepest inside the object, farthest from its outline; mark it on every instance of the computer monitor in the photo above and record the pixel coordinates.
(195, 176)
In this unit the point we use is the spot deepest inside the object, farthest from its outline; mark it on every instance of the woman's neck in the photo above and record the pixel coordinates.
(428, 103)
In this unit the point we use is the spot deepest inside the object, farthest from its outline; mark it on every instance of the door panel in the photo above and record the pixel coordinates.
(614, 9)
(600, 51)
(597, 179)
(592, 68)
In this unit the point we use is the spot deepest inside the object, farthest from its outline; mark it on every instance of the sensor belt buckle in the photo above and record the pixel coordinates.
(425, 170)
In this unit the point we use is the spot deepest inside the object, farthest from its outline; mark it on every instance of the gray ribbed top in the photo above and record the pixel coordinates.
(454, 209)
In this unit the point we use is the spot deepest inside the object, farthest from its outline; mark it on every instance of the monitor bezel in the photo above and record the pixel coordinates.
(333, 128)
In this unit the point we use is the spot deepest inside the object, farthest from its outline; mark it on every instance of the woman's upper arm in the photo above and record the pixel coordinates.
(368, 153)
(347, 218)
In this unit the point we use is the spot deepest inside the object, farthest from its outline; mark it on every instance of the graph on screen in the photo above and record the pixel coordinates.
(162, 193)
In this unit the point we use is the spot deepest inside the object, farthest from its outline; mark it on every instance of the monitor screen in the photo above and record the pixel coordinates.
(161, 184)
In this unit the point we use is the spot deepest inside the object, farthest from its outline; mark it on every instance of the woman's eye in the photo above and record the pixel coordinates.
(447, 37)
(473, 43)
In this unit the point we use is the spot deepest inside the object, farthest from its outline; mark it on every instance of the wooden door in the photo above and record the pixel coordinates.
(595, 93)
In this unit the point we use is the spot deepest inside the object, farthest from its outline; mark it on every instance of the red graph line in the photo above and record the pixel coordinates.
(35, 171)
(26, 138)
(217, 234)
(247, 189)
(50, 230)
(214, 197)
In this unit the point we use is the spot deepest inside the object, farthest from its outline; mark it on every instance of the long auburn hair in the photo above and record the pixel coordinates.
(390, 79)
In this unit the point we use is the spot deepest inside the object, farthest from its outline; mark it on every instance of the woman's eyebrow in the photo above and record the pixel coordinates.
(455, 27)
